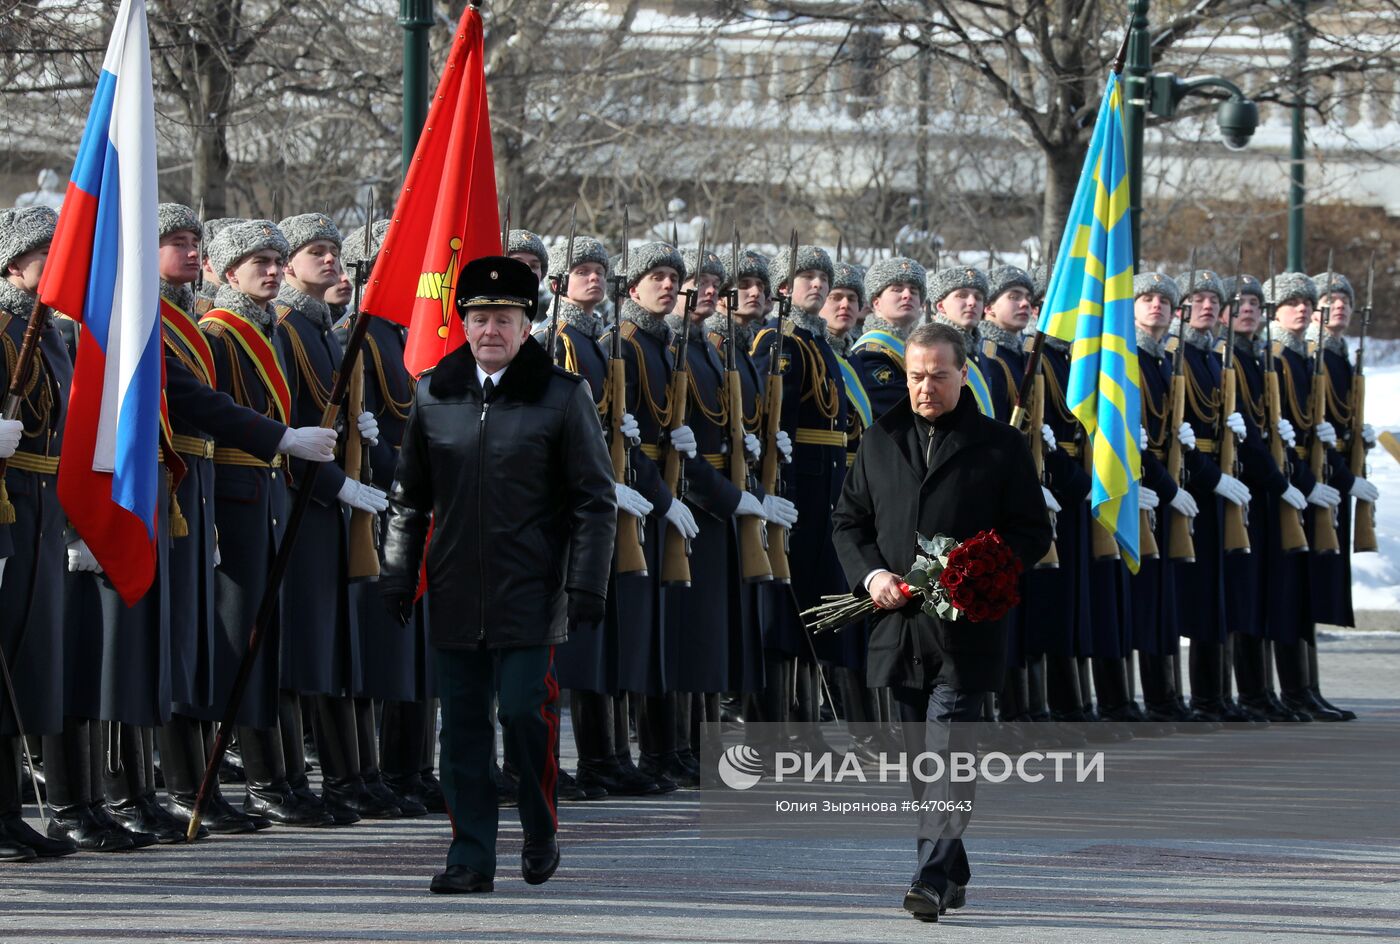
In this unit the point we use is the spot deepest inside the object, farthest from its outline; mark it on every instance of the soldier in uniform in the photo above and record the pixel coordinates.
(1155, 617)
(1295, 296)
(895, 289)
(1331, 575)
(528, 248)
(1255, 611)
(1201, 582)
(717, 648)
(646, 668)
(321, 658)
(588, 663)
(210, 280)
(31, 528)
(815, 415)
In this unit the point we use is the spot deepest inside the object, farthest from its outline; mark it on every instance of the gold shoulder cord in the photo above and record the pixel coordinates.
(1055, 396)
(823, 390)
(718, 417)
(660, 414)
(1298, 412)
(1205, 407)
(43, 406)
(1336, 406)
(1157, 413)
(1254, 406)
(320, 396)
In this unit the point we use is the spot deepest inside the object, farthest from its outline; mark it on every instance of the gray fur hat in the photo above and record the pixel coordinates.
(1289, 285)
(1157, 283)
(522, 240)
(751, 265)
(1003, 278)
(897, 270)
(1249, 285)
(586, 249)
(852, 278)
(809, 258)
(306, 228)
(649, 256)
(176, 218)
(947, 281)
(1341, 285)
(1206, 281)
(353, 249)
(712, 265)
(1040, 282)
(216, 226)
(244, 238)
(23, 230)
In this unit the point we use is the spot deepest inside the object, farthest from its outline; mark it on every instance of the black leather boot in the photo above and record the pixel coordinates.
(1315, 686)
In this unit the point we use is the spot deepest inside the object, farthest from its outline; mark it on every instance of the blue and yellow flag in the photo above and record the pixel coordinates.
(1089, 303)
(977, 383)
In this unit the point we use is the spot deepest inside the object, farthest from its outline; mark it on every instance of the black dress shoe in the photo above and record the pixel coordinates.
(632, 774)
(955, 898)
(79, 824)
(1142, 725)
(1305, 703)
(572, 789)
(507, 789)
(222, 819)
(14, 830)
(538, 859)
(135, 816)
(283, 808)
(460, 880)
(1277, 707)
(1261, 709)
(142, 838)
(608, 777)
(407, 806)
(12, 850)
(1346, 713)
(431, 796)
(686, 769)
(355, 796)
(410, 788)
(923, 902)
(231, 769)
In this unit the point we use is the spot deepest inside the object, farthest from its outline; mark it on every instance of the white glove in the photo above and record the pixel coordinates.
(629, 429)
(1286, 431)
(1292, 496)
(1368, 435)
(80, 559)
(1050, 501)
(750, 505)
(1324, 496)
(1147, 498)
(682, 520)
(683, 441)
(1186, 436)
(784, 445)
(1235, 422)
(631, 501)
(780, 511)
(2, 570)
(312, 443)
(1232, 490)
(1048, 434)
(362, 497)
(1363, 490)
(1183, 504)
(1142, 438)
(369, 427)
(218, 558)
(1326, 433)
(751, 447)
(10, 431)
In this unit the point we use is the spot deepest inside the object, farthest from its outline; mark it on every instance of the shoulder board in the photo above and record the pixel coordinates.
(789, 328)
(212, 326)
(1028, 345)
(282, 310)
(1278, 349)
(989, 348)
(1172, 344)
(628, 329)
(1220, 347)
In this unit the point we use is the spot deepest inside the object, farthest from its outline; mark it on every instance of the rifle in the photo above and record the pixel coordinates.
(1290, 519)
(675, 553)
(1028, 415)
(1236, 516)
(1180, 545)
(559, 289)
(1365, 538)
(364, 525)
(773, 423)
(753, 538)
(631, 531)
(1324, 526)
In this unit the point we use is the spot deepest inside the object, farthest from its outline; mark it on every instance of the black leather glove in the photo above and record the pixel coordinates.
(586, 606)
(399, 602)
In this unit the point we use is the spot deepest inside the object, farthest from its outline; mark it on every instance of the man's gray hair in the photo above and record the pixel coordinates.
(930, 334)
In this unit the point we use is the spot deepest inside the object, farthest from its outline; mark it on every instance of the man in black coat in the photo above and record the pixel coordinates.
(935, 465)
(505, 452)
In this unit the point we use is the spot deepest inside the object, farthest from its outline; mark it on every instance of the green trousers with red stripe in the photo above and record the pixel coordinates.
(522, 684)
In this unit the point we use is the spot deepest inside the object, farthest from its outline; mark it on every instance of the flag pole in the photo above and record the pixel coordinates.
(263, 626)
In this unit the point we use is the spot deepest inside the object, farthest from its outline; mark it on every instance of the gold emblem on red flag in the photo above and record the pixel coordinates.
(442, 285)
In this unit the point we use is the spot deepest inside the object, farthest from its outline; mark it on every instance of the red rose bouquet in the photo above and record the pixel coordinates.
(977, 580)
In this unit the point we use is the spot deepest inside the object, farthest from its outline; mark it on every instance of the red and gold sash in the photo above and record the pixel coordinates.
(184, 338)
(259, 350)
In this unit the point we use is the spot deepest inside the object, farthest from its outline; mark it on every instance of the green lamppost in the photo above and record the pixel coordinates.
(1296, 193)
(1161, 94)
(416, 18)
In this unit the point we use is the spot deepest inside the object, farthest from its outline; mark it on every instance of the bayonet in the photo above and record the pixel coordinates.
(505, 230)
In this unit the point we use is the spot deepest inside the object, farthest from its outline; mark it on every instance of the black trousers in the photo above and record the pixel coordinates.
(925, 717)
(521, 683)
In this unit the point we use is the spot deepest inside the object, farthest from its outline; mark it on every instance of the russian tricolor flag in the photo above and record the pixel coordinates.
(103, 270)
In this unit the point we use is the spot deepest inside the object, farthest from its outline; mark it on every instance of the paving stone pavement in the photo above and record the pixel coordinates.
(643, 870)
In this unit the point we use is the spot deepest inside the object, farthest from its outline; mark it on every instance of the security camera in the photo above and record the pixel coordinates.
(1237, 121)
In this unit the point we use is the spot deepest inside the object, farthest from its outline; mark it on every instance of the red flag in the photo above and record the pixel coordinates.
(446, 214)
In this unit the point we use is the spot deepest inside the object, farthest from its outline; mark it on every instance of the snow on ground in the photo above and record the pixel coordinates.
(1375, 578)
